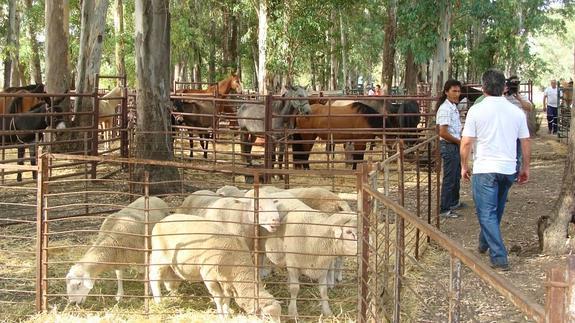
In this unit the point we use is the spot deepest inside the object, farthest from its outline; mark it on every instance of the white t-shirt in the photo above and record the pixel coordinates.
(496, 124)
(552, 96)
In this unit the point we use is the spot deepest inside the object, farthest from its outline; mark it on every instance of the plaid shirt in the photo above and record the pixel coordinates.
(448, 114)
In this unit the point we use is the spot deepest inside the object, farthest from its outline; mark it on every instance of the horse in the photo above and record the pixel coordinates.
(22, 104)
(199, 114)
(251, 119)
(567, 92)
(107, 106)
(29, 124)
(223, 88)
(341, 119)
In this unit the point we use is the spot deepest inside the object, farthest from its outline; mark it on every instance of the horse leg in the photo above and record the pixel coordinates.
(32, 150)
(301, 150)
(191, 134)
(21, 152)
(247, 141)
(204, 143)
(358, 154)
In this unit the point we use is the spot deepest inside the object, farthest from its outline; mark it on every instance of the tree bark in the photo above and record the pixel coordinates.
(93, 23)
(14, 26)
(389, 47)
(57, 26)
(152, 44)
(119, 31)
(10, 42)
(212, 63)
(225, 39)
(35, 67)
(346, 83)
(441, 58)
(410, 73)
(262, 12)
(332, 53)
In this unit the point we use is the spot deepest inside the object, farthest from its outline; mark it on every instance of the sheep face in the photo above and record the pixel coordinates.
(78, 285)
(347, 240)
(273, 311)
(268, 214)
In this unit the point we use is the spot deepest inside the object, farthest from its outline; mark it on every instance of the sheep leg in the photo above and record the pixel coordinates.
(331, 275)
(338, 269)
(323, 294)
(156, 278)
(120, 276)
(171, 280)
(218, 295)
(264, 270)
(293, 280)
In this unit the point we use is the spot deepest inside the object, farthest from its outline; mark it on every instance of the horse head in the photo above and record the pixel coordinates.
(236, 83)
(301, 106)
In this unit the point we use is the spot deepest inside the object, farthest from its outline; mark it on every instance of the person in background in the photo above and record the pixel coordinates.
(371, 91)
(492, 127)
(550, 104)
(449, 124)
(378, 89)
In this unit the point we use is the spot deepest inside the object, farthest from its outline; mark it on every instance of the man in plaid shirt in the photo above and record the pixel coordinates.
(449, 124)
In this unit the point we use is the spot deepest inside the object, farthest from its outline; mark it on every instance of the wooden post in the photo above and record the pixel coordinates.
(555, 302)
(454, 290)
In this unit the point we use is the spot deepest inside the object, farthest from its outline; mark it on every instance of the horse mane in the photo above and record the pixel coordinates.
(32, 88)
(374, 121)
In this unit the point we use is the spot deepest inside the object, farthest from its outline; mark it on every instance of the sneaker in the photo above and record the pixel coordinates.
(503, 267)
(449, 214)
(482, 250)
(458, 206)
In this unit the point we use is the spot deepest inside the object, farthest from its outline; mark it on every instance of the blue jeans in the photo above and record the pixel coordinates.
(490, 195)
(552, 119)
(451, 175)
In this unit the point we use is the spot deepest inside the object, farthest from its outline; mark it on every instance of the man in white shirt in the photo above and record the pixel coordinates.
(550, 104)
(449, 124)
(493, 127)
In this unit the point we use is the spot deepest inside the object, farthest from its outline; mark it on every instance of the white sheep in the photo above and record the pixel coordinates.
(305, 241)
(198, 202)
(193, 248)
(320, 199)
(120, 243)
(230, 191)
(237, 215)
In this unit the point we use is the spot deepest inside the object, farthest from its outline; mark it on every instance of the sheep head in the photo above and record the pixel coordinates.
(78, 284)
(269, 217)
(272, 310)
(347, 240)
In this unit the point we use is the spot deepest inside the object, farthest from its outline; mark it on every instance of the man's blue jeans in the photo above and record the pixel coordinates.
(490, 195)
(451, 175)
(552, 119)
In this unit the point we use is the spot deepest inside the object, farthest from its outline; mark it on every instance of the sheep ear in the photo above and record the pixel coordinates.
(276, 201)
(88, 283)
(338, 232)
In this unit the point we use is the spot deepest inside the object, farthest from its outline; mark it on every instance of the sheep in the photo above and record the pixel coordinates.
(230, 191)
(306, 241)
(119, 243)
(237, 215)
(198, 202)
(320, 199)
(193, 248)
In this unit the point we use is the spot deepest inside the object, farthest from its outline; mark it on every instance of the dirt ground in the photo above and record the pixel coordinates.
(526, 203)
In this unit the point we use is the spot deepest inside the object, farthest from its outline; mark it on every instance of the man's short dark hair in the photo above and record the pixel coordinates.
(493, 82)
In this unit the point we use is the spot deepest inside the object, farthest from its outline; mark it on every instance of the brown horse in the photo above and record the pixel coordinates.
(341, 120)
(14, 104)
(223, 88)
(567, 92)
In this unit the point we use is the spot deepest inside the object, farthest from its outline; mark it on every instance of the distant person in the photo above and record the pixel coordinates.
(550, 104)
(492, 127)
(378, 89)
(449, 124)
(371, 91)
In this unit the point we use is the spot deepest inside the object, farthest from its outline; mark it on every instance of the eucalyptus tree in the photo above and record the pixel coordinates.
(57, 32)
(33, 19)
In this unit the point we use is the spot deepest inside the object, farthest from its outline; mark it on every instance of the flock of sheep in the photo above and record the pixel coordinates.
(211, 238)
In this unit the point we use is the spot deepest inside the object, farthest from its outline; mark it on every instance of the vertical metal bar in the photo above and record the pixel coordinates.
(256, 238)
(429, 187)
(147, 243)
(95, 134)
(454, 290)
(363, 245)
(570, 273)
(39, 230)
(400, 173)
(418, 201)
(437, 181)
(399, 248)
(124, 128)
(361, 313)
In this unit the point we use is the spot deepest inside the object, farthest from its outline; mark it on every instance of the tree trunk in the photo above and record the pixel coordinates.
(389, 47)
(332, 54)
(57, 26)
(344, 67)
(262, 13)
(14, 26)
(10, 40)
(152, 44)
(212, 63)
(410, 73)
(35, 67)
(119, 31)
(441, 59)
(555, 240)
(237, 46)
(93, 23)
(313, 72)
(254, 47)
(225, 40)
